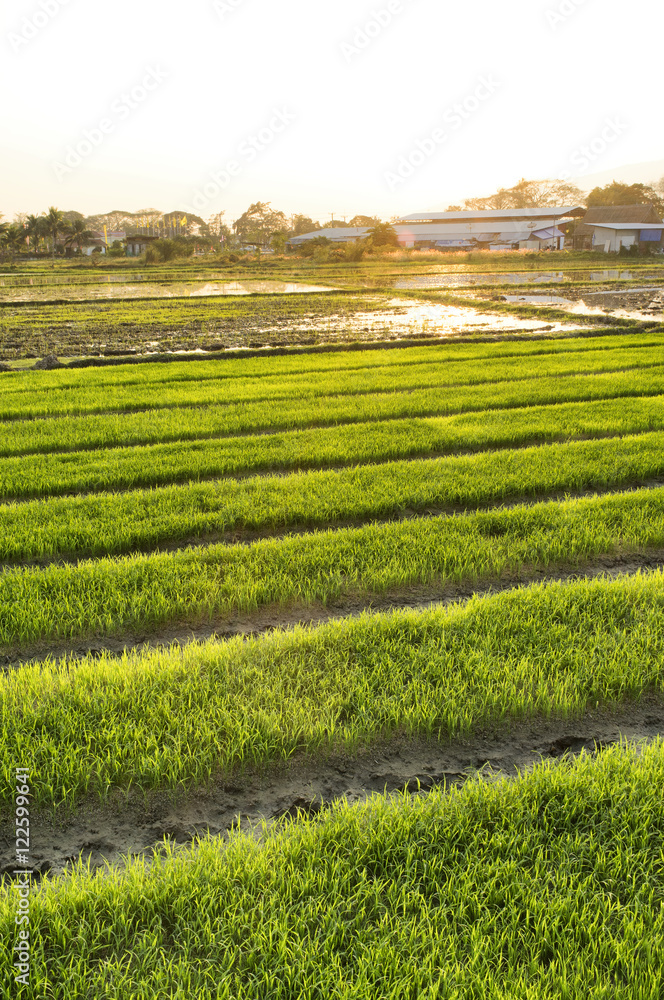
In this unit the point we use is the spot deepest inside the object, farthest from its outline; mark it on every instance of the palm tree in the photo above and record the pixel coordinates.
(35, 226)
(12, 239)
(55, 223)
(79, 233)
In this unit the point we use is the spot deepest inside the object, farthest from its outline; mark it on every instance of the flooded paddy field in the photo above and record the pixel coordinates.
(627, 303)
(136, 311)
(118, 287)
(222, 322)
(527, 278)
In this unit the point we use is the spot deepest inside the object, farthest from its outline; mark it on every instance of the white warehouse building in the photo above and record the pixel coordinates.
(498, 229)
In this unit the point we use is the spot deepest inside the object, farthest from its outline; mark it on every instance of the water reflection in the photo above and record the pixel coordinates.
(165, 290)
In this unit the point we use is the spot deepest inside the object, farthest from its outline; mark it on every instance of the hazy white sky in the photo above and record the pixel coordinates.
(321, 107)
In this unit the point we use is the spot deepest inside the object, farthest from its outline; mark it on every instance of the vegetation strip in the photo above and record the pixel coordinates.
(548, 885)
(166, 717)
(374, 356)
(182, 424)
(35, 403)
(117, 523)
(110, 596)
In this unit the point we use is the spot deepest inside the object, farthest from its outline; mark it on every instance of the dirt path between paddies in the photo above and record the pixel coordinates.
(138, 825)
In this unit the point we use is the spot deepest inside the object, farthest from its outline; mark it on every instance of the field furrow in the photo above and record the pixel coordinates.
(107, 596)
(169, 716)
(107, 524)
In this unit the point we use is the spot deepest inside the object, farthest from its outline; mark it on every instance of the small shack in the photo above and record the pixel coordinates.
(136, 245)
(588, 236)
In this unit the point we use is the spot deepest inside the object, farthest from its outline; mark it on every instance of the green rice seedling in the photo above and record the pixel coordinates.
(144, 592)
(196, 423)
(436, 374)
(165, 717)
(388, 355)
(141, 519)
(546, 886)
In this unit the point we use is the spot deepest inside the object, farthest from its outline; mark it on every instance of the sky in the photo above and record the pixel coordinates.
(330, 109)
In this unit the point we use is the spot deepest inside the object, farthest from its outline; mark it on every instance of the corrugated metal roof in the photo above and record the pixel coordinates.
(448, 235)
(514, 237)
(548, 234)
(502, 213)
(627, 225)
(334, 233)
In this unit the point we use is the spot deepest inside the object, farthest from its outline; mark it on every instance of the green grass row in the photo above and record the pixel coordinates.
(337, 361)
(145, 592)
(546, 886)
(200, 423)
(107, 524)
(167, 717)
(351, 444)
(436, 374)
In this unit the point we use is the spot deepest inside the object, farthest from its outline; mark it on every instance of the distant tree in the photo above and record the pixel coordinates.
(302, 224)
(217, 229)
(79, 234)
(54, 224)
(278, 241)
(454, 208)
(383, 235)
(12, 240)
(36, 230)
(335, 224)
(309, 247)
(625, 194)
(258, 223)
(166, 249)
(364, 220)
(528, 194)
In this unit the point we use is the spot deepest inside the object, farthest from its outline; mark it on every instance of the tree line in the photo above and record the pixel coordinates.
(262, 226)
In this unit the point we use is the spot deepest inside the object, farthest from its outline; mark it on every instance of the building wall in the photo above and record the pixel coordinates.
(615, 238)
(419, 232)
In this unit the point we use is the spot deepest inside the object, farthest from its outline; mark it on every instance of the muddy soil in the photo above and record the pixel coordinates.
(642, 300)
(138, 825)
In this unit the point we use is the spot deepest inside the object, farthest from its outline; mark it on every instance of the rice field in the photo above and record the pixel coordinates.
(225, 579)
